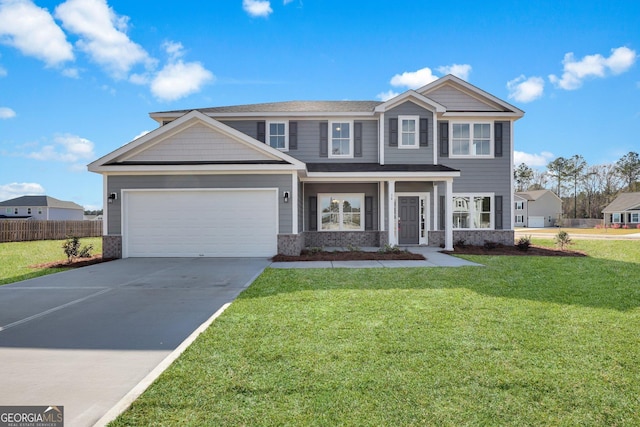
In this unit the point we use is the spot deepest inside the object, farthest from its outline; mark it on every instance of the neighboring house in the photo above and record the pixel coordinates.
(539, 208)
(40, 208)
(428, 167)
(625, 209)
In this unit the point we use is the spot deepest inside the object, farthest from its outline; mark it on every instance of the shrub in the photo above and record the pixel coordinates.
(353, 248)
(615, 226)
(638, 226)
(489, 245)
(523, 243)
(73, 250)
(460, 243)
(388, 249)
(625, 227)
(562, 239)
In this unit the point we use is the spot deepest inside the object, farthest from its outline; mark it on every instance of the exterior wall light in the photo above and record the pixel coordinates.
(286, 197)
(112, 197)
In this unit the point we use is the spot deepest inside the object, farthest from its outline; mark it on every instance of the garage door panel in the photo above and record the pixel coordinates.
(200, 223)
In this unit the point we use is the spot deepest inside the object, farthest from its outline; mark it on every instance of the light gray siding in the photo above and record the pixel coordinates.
(486, 175)
(421, 155)
(308, 149)
(457, 100)
(117, 183)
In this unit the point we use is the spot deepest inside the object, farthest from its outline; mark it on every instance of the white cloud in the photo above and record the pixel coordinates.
(32, 31)
(459, 70)
(67, 148)
(72, 73)
(179, 79)
(593, 66)
(257, 8)
(176, 79)
(102, 35)
(7, 113)
(141, 134)
(3, 71)
(524, 89)
(414, 79)
(385, 96)
(15, 189)
(532, 160)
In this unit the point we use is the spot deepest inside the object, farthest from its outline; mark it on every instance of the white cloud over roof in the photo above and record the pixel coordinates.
(523, 89)
(18, 189)
(32, 30)
(414, 79)
(532, 160)
(459, 70)
(593, 66)
(66, 148)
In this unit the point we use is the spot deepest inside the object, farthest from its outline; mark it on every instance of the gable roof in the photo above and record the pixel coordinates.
(624, 202)
(411, 95)
(40, 201)
(534, 194)
(473, 91)
(131, 155)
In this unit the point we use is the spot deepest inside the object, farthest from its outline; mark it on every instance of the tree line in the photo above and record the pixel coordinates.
(584, 189)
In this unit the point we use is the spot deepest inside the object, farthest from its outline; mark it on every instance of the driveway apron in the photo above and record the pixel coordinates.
(83, 338)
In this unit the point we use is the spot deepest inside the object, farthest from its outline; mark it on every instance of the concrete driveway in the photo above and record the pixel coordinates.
(84, 338)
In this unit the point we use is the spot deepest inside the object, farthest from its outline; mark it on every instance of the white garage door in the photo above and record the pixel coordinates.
(536, 221)
(200, 223)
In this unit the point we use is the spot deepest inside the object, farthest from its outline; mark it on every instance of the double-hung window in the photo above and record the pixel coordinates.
(616, 218)
(409, 131)
(471, 140)
(340, 212)
(635, 217)
(519, 206)
(277, 135)
(340, 139)
(472, 211)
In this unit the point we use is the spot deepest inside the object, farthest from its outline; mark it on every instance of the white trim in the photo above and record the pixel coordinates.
(422, 197)
(381, 205)
(416, 133)
(286, 133)
(436, 145)
(413, 96)
(194, 169)
(330, 140)
(481, 114)
(381, 139)
(511, 168)
(360, 196)
(289, 115)
(448, 216)
(105, 207)
(376, 176)
(471, 124)
(392, 224)
(294, 203)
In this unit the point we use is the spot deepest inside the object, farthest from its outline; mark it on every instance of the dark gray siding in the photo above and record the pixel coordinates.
(395, 155)
(117, 183)
(308, 149)
(369, 189)
(486, 175)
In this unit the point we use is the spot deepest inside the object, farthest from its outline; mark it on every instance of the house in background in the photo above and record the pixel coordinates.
(539, 208)
(625, 209)
(40, 208)
(424, 168)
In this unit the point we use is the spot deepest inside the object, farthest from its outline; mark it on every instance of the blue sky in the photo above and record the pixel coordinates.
(79, 77)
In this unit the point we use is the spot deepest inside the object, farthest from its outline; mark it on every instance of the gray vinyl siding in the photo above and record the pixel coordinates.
(456, 100)
(486, 175)
(308, 149)
(395, 155)
(117, 183)
(369, 189)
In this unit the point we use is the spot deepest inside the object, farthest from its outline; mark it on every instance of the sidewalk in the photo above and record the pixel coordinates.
(434, 258)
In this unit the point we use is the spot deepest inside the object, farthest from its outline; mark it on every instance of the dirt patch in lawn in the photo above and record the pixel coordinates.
(513, 250)
(349, 256)
(75, 263)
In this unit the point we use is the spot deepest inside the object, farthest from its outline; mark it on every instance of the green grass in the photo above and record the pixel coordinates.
(590, 231)
(521, 341)
(17, 257)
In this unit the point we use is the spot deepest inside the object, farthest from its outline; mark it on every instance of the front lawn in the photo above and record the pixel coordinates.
(17, 257)
(522, 341)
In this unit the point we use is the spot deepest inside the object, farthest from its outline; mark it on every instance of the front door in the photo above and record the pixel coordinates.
(409, 220)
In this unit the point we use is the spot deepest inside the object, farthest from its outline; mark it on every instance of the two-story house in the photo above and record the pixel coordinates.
(428, 167)
(41, 208)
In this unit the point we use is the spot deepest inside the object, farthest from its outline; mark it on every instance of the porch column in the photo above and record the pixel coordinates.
(381, 205)
(448, 216)
(391, 212)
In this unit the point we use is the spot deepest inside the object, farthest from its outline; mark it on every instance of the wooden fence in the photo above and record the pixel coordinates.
(23, 230)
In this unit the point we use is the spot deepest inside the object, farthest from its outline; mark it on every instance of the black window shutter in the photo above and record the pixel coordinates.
(261, 131)
(324, 139)
(498, 210)
(424, 132)
(497, 136)
(393, 132)
(357, 139)
(293, 135)
(442, 208)
(368, 213)
(313, 213)
(444, 139)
